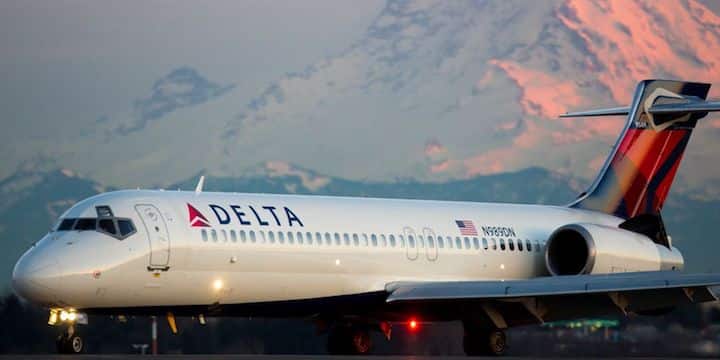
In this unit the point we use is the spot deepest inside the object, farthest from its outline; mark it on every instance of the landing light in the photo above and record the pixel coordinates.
(413, 324)
(218, 284)
(68, 316)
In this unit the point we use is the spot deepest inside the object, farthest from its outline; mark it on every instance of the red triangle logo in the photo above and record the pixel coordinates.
(196, 218)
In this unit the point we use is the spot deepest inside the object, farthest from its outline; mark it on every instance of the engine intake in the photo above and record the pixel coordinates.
(577, 249)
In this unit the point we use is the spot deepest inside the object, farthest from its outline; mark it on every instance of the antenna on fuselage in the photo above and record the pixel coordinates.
(200, 184)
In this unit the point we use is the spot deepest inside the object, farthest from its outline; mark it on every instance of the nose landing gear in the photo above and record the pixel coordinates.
(70, 342)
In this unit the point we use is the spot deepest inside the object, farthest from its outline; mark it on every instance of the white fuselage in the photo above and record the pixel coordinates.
(319, 247)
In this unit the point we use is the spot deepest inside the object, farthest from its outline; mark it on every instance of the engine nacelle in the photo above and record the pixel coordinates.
(597, 249)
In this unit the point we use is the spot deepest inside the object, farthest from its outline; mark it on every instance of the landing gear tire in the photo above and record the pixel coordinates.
(70, 342)
(485, 343)
(349, 341)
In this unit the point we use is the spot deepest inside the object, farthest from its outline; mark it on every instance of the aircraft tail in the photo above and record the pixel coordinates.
(637, 176)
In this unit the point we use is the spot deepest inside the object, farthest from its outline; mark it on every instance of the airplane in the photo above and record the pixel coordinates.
(358, 265)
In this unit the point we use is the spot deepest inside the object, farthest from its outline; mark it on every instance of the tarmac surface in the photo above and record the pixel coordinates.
(279, 357)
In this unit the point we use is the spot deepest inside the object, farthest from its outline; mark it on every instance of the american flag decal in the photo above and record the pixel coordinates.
(466, 227)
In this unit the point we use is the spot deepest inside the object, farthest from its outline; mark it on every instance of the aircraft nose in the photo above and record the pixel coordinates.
(35, 276)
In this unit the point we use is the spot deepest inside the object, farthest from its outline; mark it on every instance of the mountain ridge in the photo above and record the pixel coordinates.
(32, 201)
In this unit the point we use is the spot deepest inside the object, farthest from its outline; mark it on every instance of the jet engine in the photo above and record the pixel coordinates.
(576, 249)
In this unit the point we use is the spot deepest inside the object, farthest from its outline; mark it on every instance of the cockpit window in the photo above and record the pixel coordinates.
(84, 224)
(66, 224)
(107, 225)
(126, 227)
(104, 211)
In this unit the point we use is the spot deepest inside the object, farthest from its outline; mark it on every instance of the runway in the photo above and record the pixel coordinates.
(288, 357)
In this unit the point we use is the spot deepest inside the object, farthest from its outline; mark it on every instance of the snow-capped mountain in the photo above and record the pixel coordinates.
(433, 90)
(182, 87)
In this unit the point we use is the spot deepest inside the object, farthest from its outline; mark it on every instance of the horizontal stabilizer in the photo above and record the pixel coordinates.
(660, 109)
(657, 109)
(598, 112)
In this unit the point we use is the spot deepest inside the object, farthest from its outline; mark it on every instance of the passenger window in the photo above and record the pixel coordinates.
(204, 235)
(528, 246)
(318, 238)
(66, 225)
(83, 224)
(383, 240)
(224, 236)
(271, 237)
(281, 237)
(261, 235)
(441, 242)
(243, 237)
(467, 243)
(373, 239)
(356, 240)
(291, 238)
(214, 235)
(392, 240)
(485, 243)
(411, 241)
(449, 242)
(458, 243)
(494, 244)
(328, 239)
(401, 240)
(511, 245)
(431, 242)
(502, 244)
(537, 246)
(337, 239)
(252, 236)
(520, 245)
(233, 236)
(476, 243)
(346, 239)
(364, 239)
(299, 238)
(107, 225)
(421, 241)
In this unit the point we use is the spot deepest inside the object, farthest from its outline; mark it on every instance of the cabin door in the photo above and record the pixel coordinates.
(157, 233)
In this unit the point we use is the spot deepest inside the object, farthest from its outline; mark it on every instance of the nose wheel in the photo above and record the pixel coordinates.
(70, 342)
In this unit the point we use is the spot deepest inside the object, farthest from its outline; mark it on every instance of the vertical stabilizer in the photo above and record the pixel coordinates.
(637, 175)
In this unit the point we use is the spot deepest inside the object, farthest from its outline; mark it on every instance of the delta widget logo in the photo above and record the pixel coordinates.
(197, 219)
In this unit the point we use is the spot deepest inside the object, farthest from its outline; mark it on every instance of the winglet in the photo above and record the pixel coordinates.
(200, 184)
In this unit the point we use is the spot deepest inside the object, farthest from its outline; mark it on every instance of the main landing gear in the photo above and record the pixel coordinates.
(70, 342)
(484, 342)
(349, 340)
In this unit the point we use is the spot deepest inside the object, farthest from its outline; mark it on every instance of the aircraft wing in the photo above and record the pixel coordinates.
(517, 302)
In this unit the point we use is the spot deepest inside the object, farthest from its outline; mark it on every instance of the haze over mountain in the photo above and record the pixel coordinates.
(429, 91)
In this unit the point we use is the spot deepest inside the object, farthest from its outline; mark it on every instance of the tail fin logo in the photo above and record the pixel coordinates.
(196, 218)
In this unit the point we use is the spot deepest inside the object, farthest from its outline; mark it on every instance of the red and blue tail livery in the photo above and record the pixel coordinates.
(637, 175)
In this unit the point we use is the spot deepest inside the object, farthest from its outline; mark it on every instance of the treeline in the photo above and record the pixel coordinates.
(684, 332)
